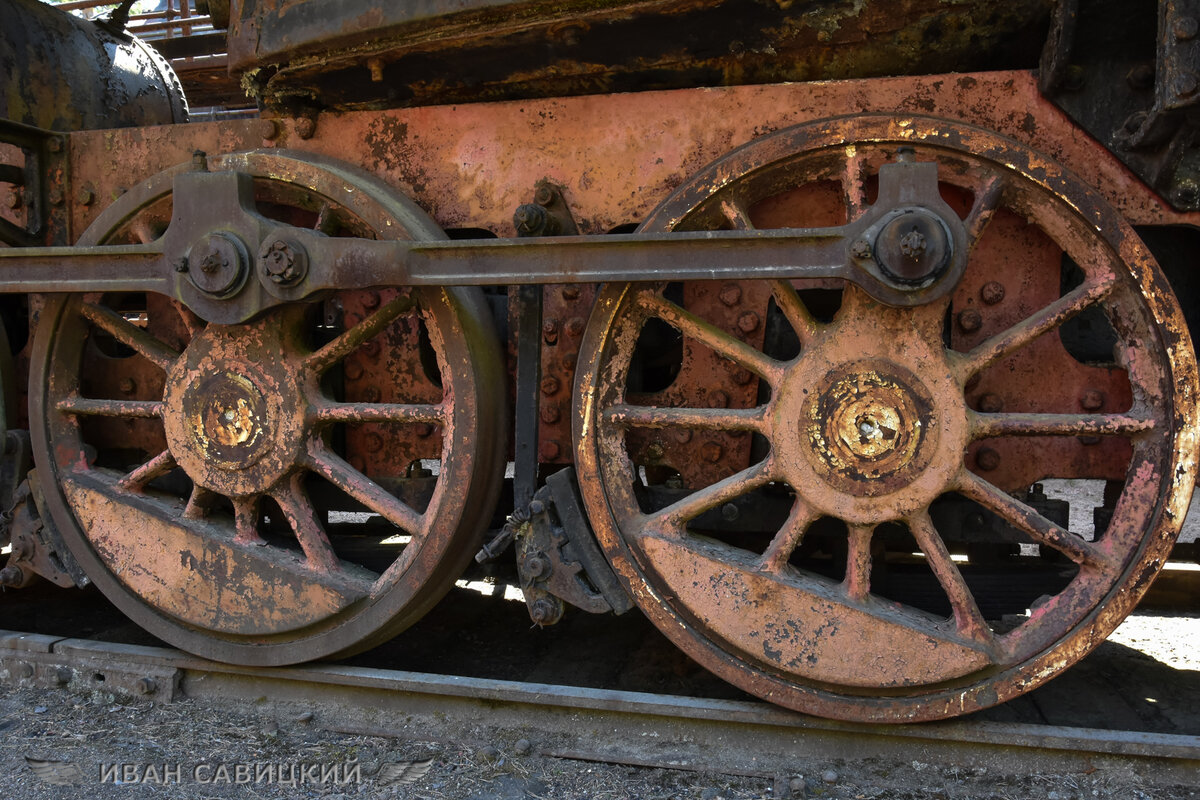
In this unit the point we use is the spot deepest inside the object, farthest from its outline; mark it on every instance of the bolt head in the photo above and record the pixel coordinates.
(860, 249)
(1092, 400)
(146, 686)
(570, 293)
(550, 414)
(730, 294)
(85, 197)
(1185, 28)
(536, 566)
(654, 451)
(127, 386)
(549, 450)
(711, 452)
(549, 385)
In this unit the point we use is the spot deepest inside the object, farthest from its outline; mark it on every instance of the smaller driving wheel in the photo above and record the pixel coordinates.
(302, 485)
(826, 564)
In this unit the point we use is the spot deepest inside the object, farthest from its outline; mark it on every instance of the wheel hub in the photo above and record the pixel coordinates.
(233, 410)
(225, 415)
(868, 427)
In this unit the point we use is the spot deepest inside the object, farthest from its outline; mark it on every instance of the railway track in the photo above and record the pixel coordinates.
(571, 701)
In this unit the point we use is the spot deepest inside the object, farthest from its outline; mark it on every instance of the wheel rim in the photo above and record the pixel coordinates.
(872, 423)
(200, 473)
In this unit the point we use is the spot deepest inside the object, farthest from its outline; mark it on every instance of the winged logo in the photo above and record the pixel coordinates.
(403, 773)
(56, 773)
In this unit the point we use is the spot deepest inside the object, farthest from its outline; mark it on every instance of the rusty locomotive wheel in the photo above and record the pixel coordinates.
(840, 482)
(302, 485)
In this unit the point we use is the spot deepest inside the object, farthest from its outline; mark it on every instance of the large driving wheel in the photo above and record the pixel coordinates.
(302, 485)
(844, 558)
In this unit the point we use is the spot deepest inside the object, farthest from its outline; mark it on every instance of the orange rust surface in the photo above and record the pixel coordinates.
(617, 156)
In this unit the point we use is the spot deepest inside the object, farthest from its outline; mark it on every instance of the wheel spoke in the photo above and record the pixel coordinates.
(298, 510)
(712, 337)
(713, 419)
(1024, 332)
(200, 503)
(797, 314)
(735, 214)
(987, 200)
(673, 518)
(86, 406)
(130, 335)
(321, 360)
(1029, 521)
(987, 425)
(160, 465)
(857, 582)
(361, 488)
(967, 615)
(788, 538)
(854, 189)
(376, 412)
(245, 520)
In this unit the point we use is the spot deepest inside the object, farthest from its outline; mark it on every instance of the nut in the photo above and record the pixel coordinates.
(549, 385)
(283, 262)
(748, 322)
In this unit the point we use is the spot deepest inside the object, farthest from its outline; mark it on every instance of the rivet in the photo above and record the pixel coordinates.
(425, 429)
(570, 293)
(987, 459)
(127, 386)
(992, 292)
(550, 414)
(711, 452)
(575, 326)
(1185, 28)
(654, 451)
(266, 129)
(731, 294)
(970, 320)
(1092, 399)
(306, 127)
(371, 300)
(549, 450)
(748, 322)
(718, 399)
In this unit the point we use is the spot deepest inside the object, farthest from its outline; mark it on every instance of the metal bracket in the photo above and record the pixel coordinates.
(40, 185)
(559, 560)
(37, 546)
